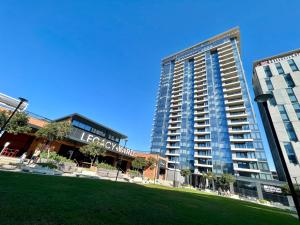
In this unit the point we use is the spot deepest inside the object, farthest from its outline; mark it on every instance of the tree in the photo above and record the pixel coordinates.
(92, 150)
(139, 163)
(151, 163)
(211, 178)
(3, 118)
(286, 189)
(225, 180)
(186, 174)
(18, 123)
(54, 131)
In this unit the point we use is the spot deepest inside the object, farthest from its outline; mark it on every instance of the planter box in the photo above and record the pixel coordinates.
(67, 167)
(107, 173)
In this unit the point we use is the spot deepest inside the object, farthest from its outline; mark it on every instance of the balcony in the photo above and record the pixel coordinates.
(231, 78)
(236, 115)
(234, 101)
(203, 118)
(197, 125)
(237, 140)
(202, 147)
(235, 123)
(244, 159)
(233, 95)
(229, 84)
(201, 132)
(175, 115)
(229, 74)
(235, 88)
(173, 110)
(172, 146)
(235, 108)
(172, 153)
(202, 165)
(174, 127)
(173, 140)
(173, 133)
(246, 170)
(200, 106)
(202, 156)
(224, 50)
(172, 121)
(176, 100)
(236, 149)
(202, 140)
(224, 46)
(226, 55)
(226, 60)
(227, 64)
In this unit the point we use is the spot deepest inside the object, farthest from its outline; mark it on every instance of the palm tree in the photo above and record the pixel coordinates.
(211, 177)
(186, 174)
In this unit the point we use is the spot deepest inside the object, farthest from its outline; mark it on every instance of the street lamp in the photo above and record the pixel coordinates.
(22, 100)
(120, 160)
(262, 99)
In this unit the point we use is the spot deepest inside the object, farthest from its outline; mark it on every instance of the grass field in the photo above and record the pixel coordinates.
(36, 199)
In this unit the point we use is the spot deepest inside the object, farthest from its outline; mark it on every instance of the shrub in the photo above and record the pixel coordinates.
(49, 165)
(105, 166)
(263, 201)
(56, 157)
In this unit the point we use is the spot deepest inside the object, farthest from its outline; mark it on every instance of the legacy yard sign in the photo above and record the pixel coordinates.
(86, 137)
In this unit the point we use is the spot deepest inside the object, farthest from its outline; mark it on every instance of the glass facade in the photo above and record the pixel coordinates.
(160, 128)
(187, 117)
(290, 152)
(204, 118)
(293, 65)
(279, 68)
(267, 71)
(220, 143)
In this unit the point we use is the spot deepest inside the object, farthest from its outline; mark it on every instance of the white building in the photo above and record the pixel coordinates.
(280, 76)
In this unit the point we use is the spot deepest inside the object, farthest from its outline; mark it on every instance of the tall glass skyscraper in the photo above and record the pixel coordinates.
(204, 118)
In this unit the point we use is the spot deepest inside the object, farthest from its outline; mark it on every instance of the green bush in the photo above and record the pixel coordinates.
(49, 165)
(105, 166)
(56, 157)
(263, 201)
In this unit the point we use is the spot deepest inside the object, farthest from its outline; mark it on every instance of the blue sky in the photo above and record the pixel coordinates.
(102, 58)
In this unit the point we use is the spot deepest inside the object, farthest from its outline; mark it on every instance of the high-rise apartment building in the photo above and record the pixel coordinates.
(279, 78)
(204, 118)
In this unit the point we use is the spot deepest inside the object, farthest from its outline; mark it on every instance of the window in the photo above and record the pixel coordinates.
(269, 84)
(283, 113)
(290, 130)
(289, 81)
(293, 65)
(291, 95)
(267, 71)
(273, 100)
(279, 68)
(290, 152)
(297, 109)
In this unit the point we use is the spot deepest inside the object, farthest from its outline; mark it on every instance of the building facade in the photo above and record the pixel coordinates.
(279, 76)
(83, 131)
(204, 118)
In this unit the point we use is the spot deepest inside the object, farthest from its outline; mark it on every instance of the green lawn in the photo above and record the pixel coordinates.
(36, 199)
